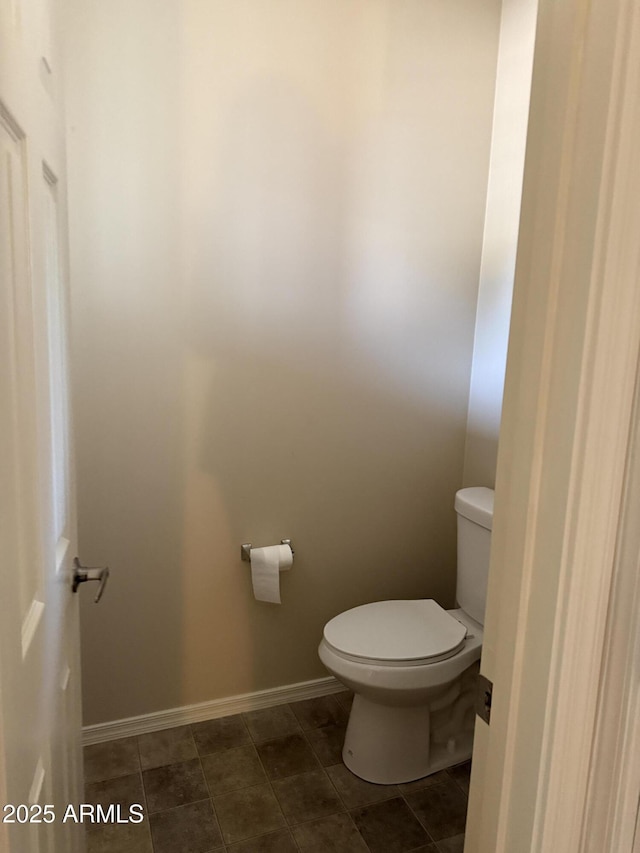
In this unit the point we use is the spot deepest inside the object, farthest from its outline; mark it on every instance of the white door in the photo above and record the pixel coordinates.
(39, 644)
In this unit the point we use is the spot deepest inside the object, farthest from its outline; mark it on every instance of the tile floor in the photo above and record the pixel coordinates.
(268, 781)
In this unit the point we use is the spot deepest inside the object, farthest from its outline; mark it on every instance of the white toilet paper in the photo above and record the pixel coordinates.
(266, 565)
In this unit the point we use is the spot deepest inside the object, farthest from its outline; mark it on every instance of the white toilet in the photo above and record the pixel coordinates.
(413, 666)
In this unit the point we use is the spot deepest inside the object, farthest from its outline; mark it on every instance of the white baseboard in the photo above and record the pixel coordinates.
(209, 710)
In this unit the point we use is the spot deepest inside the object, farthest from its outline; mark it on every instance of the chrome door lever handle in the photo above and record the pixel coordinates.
(81, 574)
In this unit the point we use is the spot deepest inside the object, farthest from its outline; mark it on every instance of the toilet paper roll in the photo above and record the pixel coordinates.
(266, 565)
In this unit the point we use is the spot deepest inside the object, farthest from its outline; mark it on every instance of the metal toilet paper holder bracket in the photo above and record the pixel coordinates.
(245, 550)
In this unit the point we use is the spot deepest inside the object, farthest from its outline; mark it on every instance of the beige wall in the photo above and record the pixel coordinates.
(276, 228)
(510, 118)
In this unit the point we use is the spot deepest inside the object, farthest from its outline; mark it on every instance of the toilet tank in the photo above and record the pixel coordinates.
(475, 520)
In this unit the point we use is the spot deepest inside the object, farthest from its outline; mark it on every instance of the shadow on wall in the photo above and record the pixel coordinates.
(127, 347)
(481, 454)
(275, 276)
(326, 395)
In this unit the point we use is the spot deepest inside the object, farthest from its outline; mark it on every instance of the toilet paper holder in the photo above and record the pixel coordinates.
(245, 550)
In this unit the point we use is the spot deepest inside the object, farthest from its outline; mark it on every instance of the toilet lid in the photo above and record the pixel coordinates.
(396, 631)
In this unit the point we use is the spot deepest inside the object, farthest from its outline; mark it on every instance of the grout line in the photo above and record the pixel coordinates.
(358, 830)
(286, 826)
(339, 795)
(315, 755)
(144, 795)
(431, 838)
(213, 806)
(182, 805)
(284, 817)
(111, 778)
(255, 741)
(453, 779)
(331, 782)
(243, 715)
(253, 838)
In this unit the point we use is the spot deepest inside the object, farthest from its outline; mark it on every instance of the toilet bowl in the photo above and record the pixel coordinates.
(412, 666)
(389, 738)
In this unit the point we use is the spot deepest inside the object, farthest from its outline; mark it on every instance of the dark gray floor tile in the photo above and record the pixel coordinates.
(451, 845)
(390, 827)
(441, 808)
(327, 743)
(345, 698)
(124, 791)
(223, 733)
(247, 813)
(355, 791)
(461, 774)
(271, 723)
(336, 833)
(308, 796)
(287, 756)
(321, 711)
(166, 747)
(119, 838)
(233, 769)
(109, 760)
(425, 782)
(186, 829)
(275, 842)
(174, 785)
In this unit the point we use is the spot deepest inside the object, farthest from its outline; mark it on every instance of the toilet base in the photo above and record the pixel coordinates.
(388, 745)
(385, 744)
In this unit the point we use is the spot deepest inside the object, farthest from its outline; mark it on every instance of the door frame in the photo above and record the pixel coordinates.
(562, 634)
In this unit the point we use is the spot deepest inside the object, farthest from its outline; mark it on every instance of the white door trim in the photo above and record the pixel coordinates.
(588, 582)
(563, 566)
(614, 776)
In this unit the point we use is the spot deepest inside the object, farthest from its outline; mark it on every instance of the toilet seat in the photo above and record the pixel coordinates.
(396, 633)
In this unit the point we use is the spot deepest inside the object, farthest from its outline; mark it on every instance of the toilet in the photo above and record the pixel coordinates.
(413, 666)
